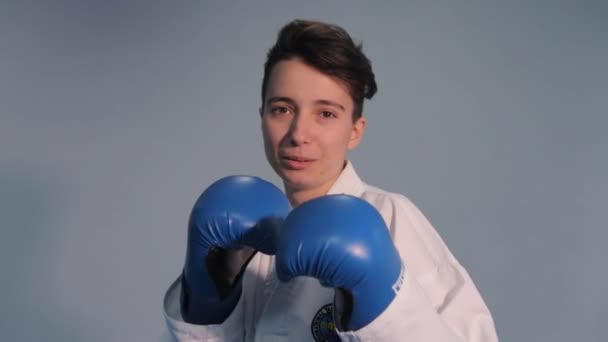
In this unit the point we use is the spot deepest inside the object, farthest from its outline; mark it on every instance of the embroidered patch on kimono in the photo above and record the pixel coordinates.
(323, 327)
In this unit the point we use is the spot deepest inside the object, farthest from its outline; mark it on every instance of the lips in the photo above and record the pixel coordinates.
(297, 158)
(291, 162)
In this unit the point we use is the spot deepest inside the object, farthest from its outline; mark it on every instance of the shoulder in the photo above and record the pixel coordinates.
(413, 234)
(394, 207)
(422, 249)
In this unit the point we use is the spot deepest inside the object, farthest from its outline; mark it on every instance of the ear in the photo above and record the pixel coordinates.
(357, 133)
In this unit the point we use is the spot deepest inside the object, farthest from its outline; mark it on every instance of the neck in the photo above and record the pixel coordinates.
(299, 196)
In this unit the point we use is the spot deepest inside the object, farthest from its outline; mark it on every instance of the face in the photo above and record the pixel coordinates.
(307, 126)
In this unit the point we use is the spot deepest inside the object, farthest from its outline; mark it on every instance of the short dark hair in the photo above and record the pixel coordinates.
(329, 49)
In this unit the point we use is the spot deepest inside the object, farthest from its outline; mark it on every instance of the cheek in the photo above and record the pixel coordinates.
(272, 136)
(336, 144)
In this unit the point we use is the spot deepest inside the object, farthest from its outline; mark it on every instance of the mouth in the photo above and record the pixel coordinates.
(295, 162)
(296, 158)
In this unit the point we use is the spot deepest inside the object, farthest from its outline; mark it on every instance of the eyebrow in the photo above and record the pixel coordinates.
(281, 99)
(331, 103)
(293, 103)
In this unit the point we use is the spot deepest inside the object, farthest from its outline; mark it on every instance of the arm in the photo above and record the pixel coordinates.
(230, 330)
(232, 219)
(438, 300)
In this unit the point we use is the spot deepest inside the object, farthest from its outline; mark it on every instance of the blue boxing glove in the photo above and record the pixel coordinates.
(231, 220)
(343, 242)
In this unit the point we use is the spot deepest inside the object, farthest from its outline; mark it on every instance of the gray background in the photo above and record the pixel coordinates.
(490, 116)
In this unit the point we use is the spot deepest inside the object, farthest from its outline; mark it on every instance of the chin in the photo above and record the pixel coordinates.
(296, 180)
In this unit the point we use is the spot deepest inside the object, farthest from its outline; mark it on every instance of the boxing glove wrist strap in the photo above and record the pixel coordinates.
(205, 311)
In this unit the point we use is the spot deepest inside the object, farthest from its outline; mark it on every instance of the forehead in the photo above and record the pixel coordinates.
(301, 82)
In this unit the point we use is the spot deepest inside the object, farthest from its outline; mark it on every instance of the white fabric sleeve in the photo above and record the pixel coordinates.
(409, 317)
(231, 330)
(438, 300)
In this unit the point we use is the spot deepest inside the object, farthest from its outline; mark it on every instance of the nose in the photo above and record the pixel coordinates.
(299, 131)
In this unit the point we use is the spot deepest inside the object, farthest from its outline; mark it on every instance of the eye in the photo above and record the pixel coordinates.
(327, 114)
(279, 110)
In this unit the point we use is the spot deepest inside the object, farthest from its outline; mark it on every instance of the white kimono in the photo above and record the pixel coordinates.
(437, 302)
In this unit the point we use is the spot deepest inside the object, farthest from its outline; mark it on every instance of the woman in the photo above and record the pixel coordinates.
(350, 261)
